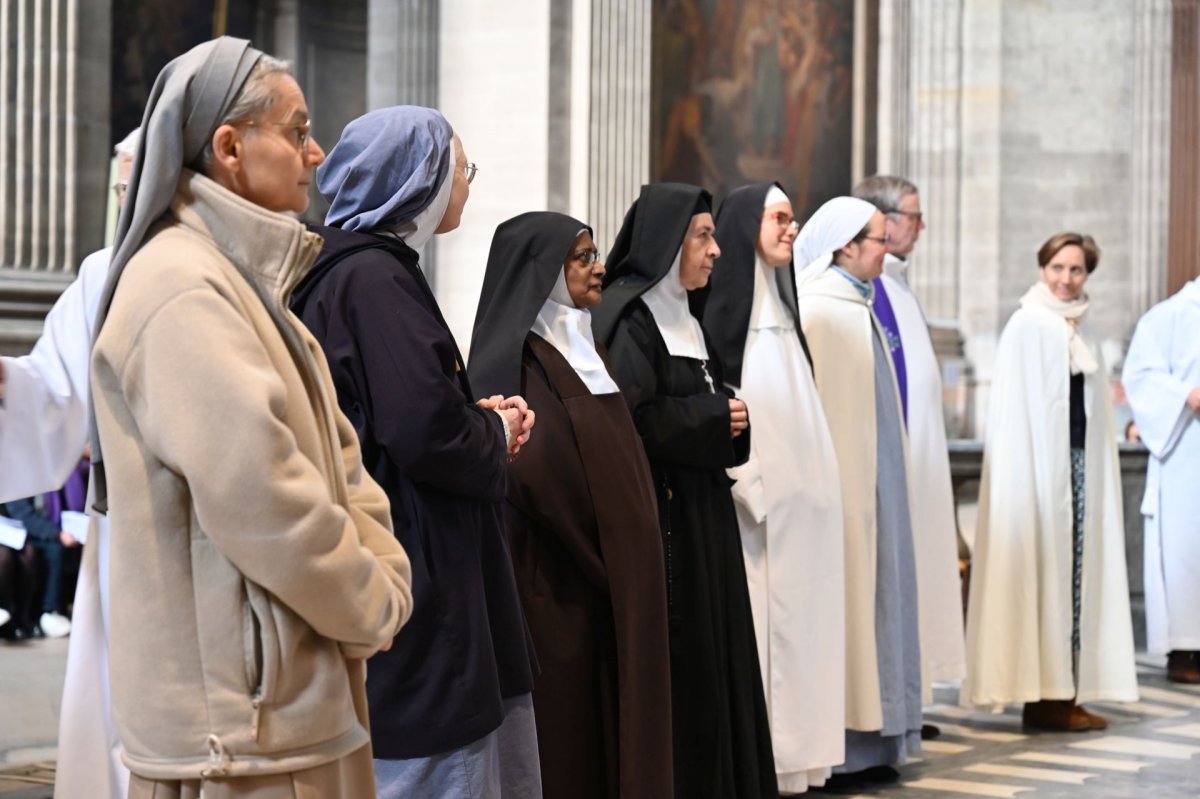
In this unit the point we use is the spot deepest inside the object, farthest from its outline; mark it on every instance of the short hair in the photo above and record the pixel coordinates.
(128, 146)
(1091, 251)
(884, 191)
(253, 100)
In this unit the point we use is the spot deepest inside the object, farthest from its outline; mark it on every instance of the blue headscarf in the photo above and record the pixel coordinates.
(388, 167)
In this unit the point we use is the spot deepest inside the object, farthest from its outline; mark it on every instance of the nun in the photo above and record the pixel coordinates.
(693, 429)
(843, 246)
(252, 561)
(454, 689)
(582, 518)
(787, 494)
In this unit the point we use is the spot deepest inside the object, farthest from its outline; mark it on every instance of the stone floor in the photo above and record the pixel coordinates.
(1150, 750)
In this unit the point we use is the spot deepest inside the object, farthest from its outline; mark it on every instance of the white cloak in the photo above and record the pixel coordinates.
(935, 533)
(43, 428)
(839, 325)
(789, 510)
(1162, 367)
(1020, 609)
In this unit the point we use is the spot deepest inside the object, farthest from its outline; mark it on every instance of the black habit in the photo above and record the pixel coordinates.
(442, 461)
(583, 530)
(721, 732)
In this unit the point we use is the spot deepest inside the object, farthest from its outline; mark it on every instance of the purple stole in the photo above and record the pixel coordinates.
(887, 317)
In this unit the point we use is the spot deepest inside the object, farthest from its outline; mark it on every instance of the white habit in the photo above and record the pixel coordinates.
(1162, 367)
(840, 327)
(789, 508)
(1020, 608)
(43, 429)
(943, 642)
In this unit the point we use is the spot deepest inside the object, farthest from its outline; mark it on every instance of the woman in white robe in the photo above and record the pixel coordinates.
(1162, 381)
(844, 244)
(1048, 622)
(787, 494)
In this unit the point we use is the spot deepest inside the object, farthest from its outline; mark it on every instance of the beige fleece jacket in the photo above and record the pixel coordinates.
(251, 553)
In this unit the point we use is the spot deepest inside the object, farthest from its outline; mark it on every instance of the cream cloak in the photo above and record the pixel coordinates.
(1020, 609)
(1161, 368)
(935, 532)
(839, 325)
(789, 510)
(43, 427)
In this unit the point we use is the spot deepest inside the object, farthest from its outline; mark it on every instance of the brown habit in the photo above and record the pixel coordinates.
(583, 527)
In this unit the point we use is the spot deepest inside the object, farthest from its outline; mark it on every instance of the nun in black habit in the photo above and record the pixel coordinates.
(582, 519)
(692, 429)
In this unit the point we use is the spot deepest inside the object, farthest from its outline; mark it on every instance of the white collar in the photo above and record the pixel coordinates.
(569, 330)
(668, 304)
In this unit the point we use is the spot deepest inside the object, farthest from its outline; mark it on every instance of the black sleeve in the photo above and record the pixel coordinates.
(395, 366)
(689, 430)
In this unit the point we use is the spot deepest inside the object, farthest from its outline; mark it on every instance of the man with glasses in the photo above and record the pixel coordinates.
(919, 380)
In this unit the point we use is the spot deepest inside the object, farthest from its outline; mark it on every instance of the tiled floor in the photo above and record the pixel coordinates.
(1149, 750)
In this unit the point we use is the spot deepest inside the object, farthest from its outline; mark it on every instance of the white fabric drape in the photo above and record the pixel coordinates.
(43, 427)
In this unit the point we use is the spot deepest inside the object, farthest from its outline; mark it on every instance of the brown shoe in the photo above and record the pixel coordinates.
(1056, 715)
(1181, 667)
(1095, 722)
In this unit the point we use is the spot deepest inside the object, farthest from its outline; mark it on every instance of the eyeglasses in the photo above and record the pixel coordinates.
(587, 257)
(785, 221)
(469, 169)
(301, 132)
(916, 216)
(884, 239)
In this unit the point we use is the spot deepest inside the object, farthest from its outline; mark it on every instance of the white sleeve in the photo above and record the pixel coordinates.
(1157, 397)
(44, 415)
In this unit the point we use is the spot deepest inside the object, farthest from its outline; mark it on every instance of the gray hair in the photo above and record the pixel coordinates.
(128, 146)
(884, 191)
(253, 100)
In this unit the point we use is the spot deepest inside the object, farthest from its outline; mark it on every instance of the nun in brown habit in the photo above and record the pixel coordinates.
(582, 518)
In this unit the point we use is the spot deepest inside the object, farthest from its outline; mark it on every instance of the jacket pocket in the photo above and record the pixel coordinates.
(261, 651)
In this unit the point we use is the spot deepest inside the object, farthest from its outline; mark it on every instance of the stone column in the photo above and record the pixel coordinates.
(402, 52)
(54, 132)
(1152, 156)
(620, 112)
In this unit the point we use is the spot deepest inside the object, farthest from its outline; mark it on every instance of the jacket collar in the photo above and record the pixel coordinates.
(271, 250)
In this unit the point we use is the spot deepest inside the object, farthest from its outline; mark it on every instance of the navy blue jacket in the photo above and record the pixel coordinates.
(401, 380)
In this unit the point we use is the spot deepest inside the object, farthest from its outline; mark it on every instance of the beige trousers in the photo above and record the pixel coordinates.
(351, 777)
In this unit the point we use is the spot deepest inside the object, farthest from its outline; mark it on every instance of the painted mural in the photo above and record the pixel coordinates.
(754, 90)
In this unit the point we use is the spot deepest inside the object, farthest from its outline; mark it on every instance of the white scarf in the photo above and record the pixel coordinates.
(668, 304)
(768, 310)
(1082, 359)
(569, 330)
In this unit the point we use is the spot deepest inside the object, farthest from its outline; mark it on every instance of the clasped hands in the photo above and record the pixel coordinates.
(517, 415)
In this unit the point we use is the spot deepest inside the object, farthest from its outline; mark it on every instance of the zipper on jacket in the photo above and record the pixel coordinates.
(256, 703)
